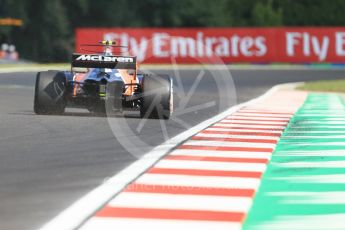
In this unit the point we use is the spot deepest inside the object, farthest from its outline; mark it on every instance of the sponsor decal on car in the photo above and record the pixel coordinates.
(87, 57)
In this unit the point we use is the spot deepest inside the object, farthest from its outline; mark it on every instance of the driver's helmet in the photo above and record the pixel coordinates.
(108, 49)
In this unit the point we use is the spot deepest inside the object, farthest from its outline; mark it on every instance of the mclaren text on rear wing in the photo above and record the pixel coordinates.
(102, 61)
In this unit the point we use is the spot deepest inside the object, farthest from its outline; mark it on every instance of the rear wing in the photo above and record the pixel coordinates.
(102, 61)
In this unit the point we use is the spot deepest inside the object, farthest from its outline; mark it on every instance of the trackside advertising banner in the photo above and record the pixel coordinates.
(228, 45)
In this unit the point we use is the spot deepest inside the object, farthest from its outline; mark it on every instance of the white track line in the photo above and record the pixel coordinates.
(313, 136)
(322, 122)
(252, 122)
(185, 202)
(83, 208)
(247, 137)
(306, 164)
(333, 221)
(235, 118)
(209, 165)
(199, 181)
(326, 198)
(210, 153)
(269, 127)
(229, 144)
(261, 115)
(328, 153)
(243, 130)
(266, 111)
(313, 132)
(317, 179)
(318, 127)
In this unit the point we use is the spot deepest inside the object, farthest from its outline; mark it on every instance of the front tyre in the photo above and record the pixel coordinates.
(50, 92)
(157, 97)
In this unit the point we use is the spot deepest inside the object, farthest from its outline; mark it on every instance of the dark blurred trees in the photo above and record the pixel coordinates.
(48, 31)
(264, 14)
(46, 34)
(313, 12)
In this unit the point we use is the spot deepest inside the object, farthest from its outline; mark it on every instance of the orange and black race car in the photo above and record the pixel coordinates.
(104, 83)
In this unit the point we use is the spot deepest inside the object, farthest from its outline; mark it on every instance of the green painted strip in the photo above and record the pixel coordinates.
(305, 192)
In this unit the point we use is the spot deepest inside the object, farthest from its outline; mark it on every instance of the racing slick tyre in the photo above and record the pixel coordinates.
(50, 92)
(157, 97)
(113, 102)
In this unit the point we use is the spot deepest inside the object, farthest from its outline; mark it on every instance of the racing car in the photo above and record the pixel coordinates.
(104, 83)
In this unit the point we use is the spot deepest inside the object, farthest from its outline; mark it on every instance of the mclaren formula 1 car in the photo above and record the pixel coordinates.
(104, 83)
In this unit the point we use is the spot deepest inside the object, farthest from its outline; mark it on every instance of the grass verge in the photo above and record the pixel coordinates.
(23, 67)
(20, 65)
(326, 86)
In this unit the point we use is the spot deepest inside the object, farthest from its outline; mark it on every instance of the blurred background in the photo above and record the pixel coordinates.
(44, 30)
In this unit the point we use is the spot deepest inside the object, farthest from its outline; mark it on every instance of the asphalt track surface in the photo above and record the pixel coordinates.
(48, 162)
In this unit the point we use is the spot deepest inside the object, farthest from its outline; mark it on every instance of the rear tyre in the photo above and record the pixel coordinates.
(157, 97)
(50, 92)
